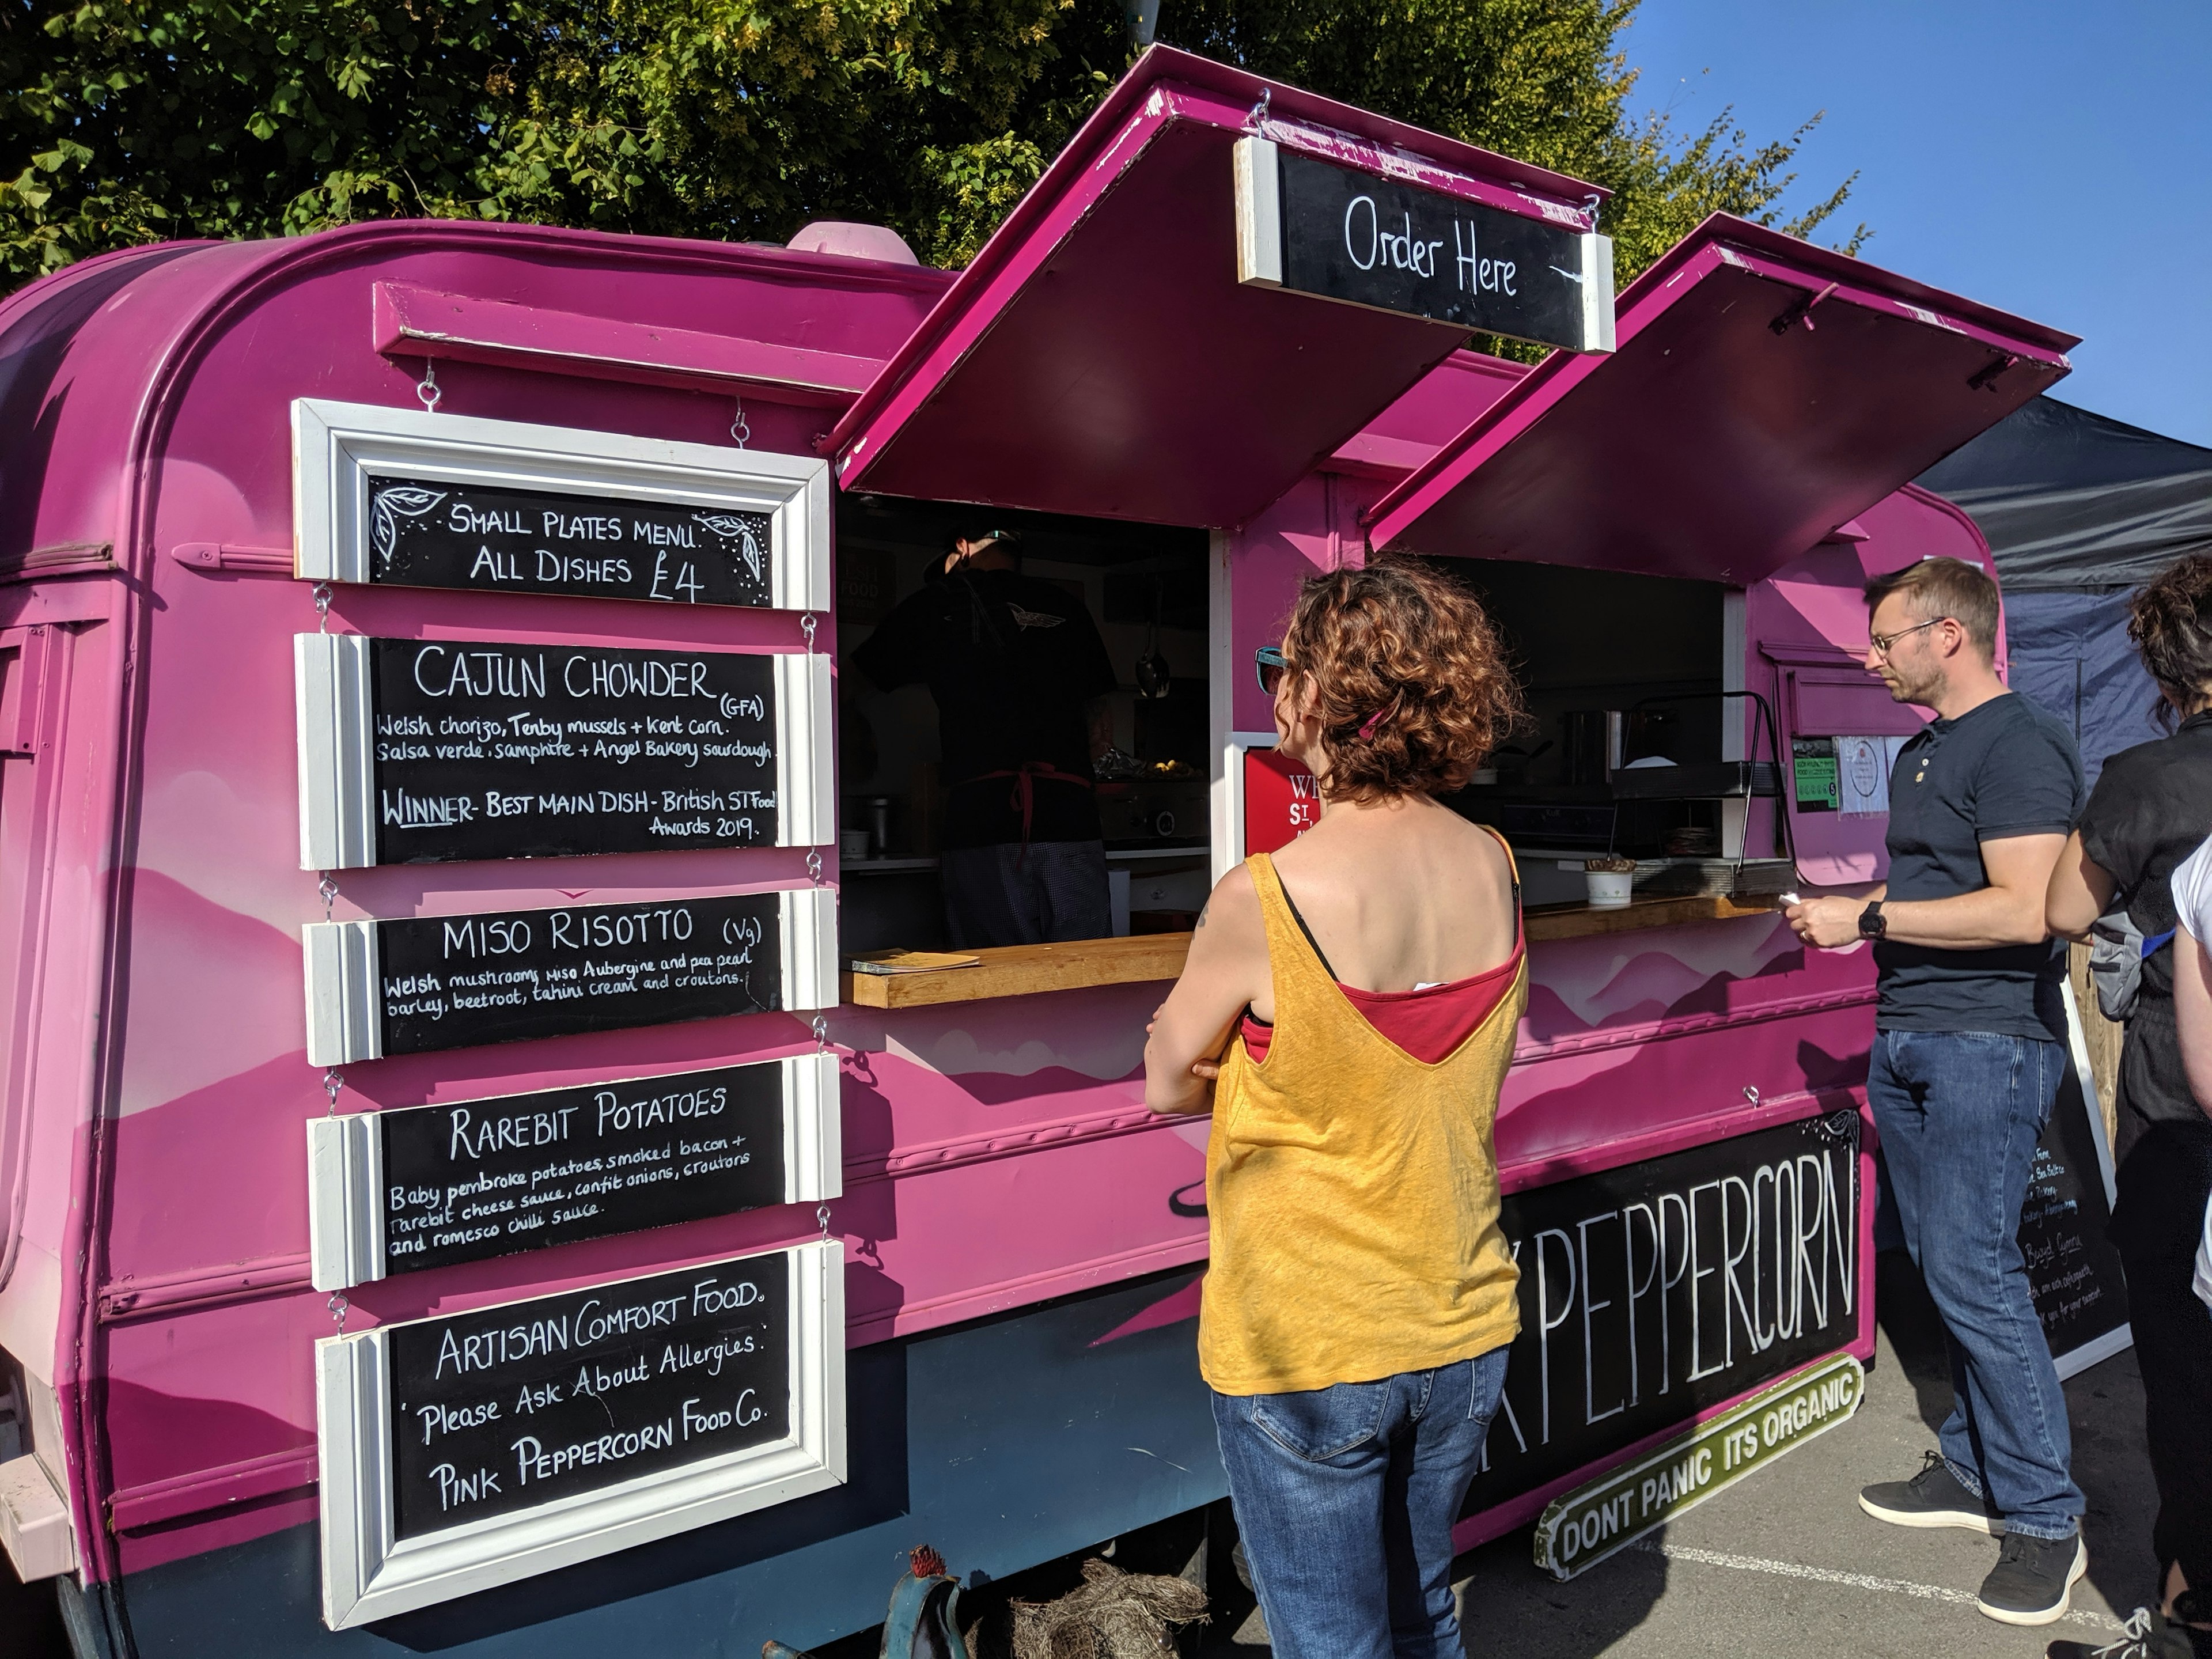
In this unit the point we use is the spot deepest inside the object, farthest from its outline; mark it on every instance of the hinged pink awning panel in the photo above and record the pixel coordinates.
(1763, 392)
(1100, 357)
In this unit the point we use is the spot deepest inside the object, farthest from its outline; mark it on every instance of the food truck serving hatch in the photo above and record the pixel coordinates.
(1101, 355)
(1764, 391)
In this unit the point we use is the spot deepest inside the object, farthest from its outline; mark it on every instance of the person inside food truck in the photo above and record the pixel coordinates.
(1020, 676)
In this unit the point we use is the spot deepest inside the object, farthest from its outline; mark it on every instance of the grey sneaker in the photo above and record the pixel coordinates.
(2145, 1636)
(1932, 1497)
(2034, 1579)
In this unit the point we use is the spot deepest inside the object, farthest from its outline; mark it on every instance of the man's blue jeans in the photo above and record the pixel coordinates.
(1959, 1114)
(1345, 1498)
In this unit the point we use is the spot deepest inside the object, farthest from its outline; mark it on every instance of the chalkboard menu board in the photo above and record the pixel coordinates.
(2074, 1274)
(519, 1439)
(1651, 1292)
(400, 497)
(510, 1407)
(473, 749)
(423, 1187)
(428, 532)
(1314, 227)
(420, 983)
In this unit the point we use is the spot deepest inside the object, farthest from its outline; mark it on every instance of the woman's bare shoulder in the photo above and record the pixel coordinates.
(1233, 906)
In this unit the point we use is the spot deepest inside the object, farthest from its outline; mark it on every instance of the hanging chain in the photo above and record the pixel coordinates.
(333, 1080)
(322, 607)
(807, 626)
(337, 1307)
(327, 888)
(740, 430)
(426, 387)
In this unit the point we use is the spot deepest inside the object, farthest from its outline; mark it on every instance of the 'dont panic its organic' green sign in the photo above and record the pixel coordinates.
(1583, 1527)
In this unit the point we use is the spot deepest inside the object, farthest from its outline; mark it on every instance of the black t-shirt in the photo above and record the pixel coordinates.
(2003, 769)
(1011, 660)
(2151, 809)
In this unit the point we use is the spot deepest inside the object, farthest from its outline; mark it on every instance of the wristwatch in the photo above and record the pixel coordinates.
(1872, 923)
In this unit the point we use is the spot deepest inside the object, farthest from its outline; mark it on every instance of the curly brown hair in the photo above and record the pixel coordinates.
(1414, 687)
(2170, 620)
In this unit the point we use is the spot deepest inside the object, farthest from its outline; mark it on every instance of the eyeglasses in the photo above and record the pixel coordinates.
(1272, 666)
(1883, 642)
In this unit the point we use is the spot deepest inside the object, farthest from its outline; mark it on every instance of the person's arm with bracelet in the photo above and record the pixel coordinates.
(2008, 911)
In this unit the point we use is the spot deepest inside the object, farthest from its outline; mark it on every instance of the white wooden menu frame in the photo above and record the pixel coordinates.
(345, 1170)
(337, 751)
(345, 1020)
(335, 445)
(368, 1573)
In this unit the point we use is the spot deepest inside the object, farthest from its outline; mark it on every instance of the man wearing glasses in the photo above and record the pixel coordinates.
(1020, 677)
(1970, 1033)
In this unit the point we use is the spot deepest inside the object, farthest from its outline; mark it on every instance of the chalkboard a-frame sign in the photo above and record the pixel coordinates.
(418, 984)
(407, 498)
(472, 1449)
(420, 752)
(419, 1188)
(1309, 226)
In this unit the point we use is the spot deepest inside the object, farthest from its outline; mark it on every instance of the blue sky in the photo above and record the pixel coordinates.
(2055, 159)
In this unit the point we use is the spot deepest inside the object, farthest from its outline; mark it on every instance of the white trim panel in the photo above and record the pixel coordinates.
(345, 1221)
(335, 445)
(1258, 212)
(806, 811)
(338, 778)
(813, 1129)
(368, 1574)
(809, 915)
(345, 1020)
(1597, 292)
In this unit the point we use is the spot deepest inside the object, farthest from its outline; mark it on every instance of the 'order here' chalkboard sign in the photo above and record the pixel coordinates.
(424, 750)
(1313, 227)
(468, 1449)
(421, 983)
(425, 1187)
(396, 497)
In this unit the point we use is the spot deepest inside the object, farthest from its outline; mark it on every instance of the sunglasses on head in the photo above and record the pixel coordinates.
(1272, 666)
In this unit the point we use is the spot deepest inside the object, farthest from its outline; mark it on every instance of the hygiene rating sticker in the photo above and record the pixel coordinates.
(1582, 1528)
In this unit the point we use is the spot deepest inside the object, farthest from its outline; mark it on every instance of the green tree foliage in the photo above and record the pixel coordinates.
(127, 121)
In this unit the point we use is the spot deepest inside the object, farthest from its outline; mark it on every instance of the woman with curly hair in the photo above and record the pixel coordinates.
(1349, 1013)
(2151, 809)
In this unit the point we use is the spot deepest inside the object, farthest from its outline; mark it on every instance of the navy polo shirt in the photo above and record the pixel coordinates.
(2002, 768)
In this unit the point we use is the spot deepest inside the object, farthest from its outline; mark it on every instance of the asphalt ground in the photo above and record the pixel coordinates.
(1786, 1562)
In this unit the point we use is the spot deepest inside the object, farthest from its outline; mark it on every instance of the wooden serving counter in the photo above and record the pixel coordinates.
(1015, 970)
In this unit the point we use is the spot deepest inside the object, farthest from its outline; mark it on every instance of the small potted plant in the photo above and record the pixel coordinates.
(1612, 880)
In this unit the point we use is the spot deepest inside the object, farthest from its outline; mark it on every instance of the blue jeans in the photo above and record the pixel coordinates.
(1959, 1114)
(1345, 1498)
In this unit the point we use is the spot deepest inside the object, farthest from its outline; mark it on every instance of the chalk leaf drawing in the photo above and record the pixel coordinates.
(394, 502)
(740, 535)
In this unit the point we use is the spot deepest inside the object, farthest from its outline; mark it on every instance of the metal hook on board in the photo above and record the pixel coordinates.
(426, 387)
(822, 1215)
(333, 1080)
(327, 888)
(741, 430)
(814, 867)
(821, 1028)
(322, 607)
(1750, 1093)
(1258, 114)
(807, 626)
(337, 1307)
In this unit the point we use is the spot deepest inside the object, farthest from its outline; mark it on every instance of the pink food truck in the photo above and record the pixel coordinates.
(456, 1191)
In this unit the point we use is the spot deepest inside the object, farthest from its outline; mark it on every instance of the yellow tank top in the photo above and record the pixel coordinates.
(1350, 1190)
